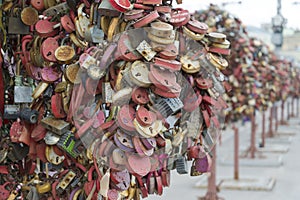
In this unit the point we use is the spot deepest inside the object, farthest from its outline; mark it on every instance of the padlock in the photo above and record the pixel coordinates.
(56, 10)
(48, 48)
(68, 143)
(181, 165)
(105, 8)
(17, 152)
(11, 112)
(5, 191)
(145, 50)
(65, 182)
(139, 165)
(29, 16)
(59, 127)
(65, 53)
(168, 106)
(16, 26)
(28, 115)
(22, 94)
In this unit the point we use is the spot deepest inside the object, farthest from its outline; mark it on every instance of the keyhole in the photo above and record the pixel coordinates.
(189, 65)
(138, 74)
(57, 159)
(167, 82)
(49, 53)
(151, 129)
(124, 141)
(144, 53)
(138, 96)
(145, 119)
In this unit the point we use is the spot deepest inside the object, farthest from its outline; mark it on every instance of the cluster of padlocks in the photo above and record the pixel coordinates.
(258, 77)
(102, 99)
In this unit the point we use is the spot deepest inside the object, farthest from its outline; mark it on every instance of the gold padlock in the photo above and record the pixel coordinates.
(43, 188)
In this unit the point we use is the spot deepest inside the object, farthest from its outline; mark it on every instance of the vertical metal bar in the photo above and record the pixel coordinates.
(282, 113)
(252, 147)
(263, 132)
(276, 119)
(270, 132)
(212, 188)
(236, 153)
(288, 110)
(297, 106)
(293, 107)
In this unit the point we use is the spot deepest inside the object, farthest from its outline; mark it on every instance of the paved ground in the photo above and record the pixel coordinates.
(287, 176)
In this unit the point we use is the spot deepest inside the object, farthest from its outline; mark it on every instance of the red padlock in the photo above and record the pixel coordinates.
(33, 71)
(38, 4)
(180, 17)
(67, 23)
(57, 106)
(44, 28)
(16, 131)
(140, 95)
(121, 5)
(25, 49)
(48, 48)
(145, 117)
(5, 190)
(125, 50)
(88, 186)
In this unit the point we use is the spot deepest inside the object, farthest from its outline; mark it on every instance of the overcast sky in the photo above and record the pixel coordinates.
(253, 12)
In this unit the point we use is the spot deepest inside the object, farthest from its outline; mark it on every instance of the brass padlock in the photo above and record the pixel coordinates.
(43, 188)
(15, 24)
(58, 127)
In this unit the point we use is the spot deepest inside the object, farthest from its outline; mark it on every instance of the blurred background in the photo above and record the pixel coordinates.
(257, 17)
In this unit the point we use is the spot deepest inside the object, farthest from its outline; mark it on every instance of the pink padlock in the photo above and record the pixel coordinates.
(51, 74)
(38, 4)
(44, 28)
(67, 23)
(48, 49)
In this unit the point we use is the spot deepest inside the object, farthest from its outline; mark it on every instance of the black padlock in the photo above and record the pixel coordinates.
(18, 151)
(28, 115)
(181, 165)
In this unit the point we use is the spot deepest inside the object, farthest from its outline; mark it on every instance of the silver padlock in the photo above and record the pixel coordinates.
(11, 112)
(107, 92)
(56, 10)
(181, 165)
(146, 51)
(22, 94)
(105, 9)
(168, 106)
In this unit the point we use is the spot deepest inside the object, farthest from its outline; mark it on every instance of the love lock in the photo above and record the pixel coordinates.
(5, 190)
(48, 49)
(139, 74)
(120, 180)
(145, 117)
(29, 16)
(65, 53)
(139, 165)
(52, 157)
(38, 4)
(44, 28)
(140, 96)
(67, 23)
(51, 74)
(123, 141)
